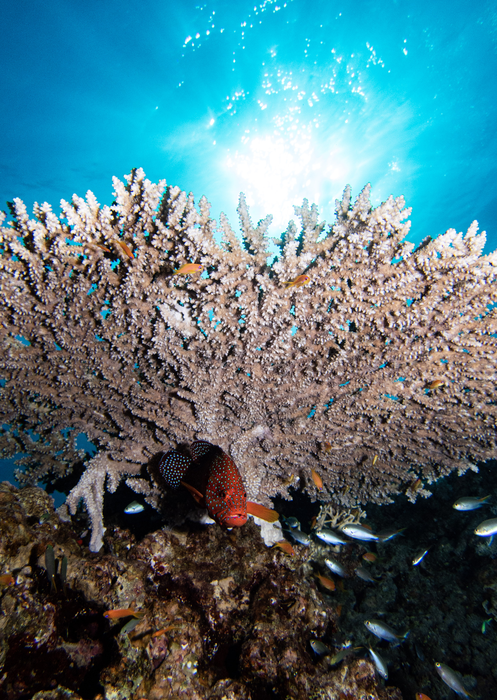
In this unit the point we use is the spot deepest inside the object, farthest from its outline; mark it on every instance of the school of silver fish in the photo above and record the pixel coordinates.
(351, 532)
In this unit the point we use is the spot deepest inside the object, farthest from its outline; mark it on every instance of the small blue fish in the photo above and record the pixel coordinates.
(341, 655)
(319, 648)
(330, 537)
(358, 532)
(379, 663)
(420, 556)
(389, 534)
(134, 507)
(291, 521)
(488, 528)
(451, 679)
(384, 631)
(299, 536)
(335, 567)
(364, 574)
(130, 625)
(470, 503)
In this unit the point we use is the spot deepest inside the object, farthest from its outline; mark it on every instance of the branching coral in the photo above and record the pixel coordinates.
(331, 517)
(98, 336)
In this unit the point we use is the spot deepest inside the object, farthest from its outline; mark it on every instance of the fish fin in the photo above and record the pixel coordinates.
(201, 448)
(196, 494)
(262, 512)
(172, 467)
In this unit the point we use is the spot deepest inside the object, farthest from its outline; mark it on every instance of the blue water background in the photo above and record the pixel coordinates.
(281, 100)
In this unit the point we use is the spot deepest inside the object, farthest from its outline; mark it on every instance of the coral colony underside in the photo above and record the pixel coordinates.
(352, 353)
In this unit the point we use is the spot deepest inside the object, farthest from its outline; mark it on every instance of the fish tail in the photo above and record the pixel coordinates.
(195, 493)
(173, 467)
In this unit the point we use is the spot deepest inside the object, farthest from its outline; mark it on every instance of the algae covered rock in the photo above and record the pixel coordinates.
(197, 612)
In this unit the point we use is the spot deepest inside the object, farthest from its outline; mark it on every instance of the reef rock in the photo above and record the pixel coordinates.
(209, 614)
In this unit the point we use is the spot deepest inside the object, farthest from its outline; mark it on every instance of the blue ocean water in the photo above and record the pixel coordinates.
(281, 100)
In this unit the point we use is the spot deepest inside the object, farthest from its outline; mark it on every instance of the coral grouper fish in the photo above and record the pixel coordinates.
(221, 488)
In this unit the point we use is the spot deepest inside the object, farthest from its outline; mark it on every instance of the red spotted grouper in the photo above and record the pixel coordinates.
(221, 488)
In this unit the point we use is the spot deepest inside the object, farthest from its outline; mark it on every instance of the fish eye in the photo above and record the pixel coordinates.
(221, 493)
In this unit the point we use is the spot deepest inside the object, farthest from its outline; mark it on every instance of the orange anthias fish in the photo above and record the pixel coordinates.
(220, 486)
(285, 546)
(298, 281)
(369, 556)
(422, 696)
(126, 249)
(317, 479)
(435, 384)
(326, 582)
(123, 612)
(188, 269)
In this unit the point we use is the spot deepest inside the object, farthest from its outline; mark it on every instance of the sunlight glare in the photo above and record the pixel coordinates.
(276, 173)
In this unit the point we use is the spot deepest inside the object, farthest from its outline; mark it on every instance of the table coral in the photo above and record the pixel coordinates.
(379, 372)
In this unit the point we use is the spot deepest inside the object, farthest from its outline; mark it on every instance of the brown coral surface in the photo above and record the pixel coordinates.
(379, 372)
(220, 616)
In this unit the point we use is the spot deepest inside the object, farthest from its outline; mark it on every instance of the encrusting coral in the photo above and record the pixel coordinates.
(379, 373)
